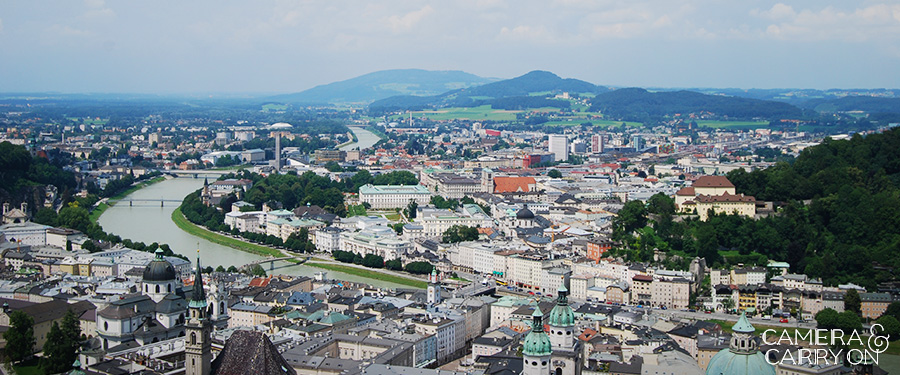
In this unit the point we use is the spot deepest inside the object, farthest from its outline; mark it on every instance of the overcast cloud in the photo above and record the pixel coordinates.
(289, 46)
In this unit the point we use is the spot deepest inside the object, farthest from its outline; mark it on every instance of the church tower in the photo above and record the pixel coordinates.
(205, 195)
(198, 345)
(487, 180)
(567, 358)
(536, 349)
(434, 288)
(218, 298)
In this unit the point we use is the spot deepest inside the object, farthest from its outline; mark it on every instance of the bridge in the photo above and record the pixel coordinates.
(196, 173)
(131, 201)
(272, 261)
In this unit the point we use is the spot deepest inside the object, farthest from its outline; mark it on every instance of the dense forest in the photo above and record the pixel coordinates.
(839, 216)
(635, 103)
(23, 176)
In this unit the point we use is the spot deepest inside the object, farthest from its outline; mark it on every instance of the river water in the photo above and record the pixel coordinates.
(147, 222)
(364, 139)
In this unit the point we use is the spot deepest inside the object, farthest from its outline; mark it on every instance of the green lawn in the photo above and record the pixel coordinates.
(274, 107)
(484, 112)
(356, 210)
(371, 274)
(29, 367)
(393, 217)
(191, 228)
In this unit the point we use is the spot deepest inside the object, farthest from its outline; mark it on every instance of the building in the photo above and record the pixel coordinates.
(714, 193)
(873, 305)
(324, 156)
(743, 355)
(378, 240)
(328, 239)
(558, 145)
(558, 352)
(503, 185)
(436, 221)
(155, 314)
(393, 196)
(198, 343)
(597, 247)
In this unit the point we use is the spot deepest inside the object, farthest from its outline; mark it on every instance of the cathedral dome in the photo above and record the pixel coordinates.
(525, 213)
(742, 356)
(159, 269)
(537, 343)
(562, 314)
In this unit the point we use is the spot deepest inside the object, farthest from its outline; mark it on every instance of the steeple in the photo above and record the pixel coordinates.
(434, 288)
(536, 348)
(198, 345)
(198, 295)
(562, 321)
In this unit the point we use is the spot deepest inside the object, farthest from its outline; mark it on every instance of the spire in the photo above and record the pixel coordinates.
(562, 295)
(537, 323)
(205, 181)
(198, 295)
(743, 325)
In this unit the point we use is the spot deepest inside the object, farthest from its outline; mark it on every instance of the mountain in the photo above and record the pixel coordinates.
(507, 94)
(855, 103)
(633, 102)
(384, 84)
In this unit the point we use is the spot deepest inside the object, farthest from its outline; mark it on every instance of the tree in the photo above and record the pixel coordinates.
(554, 173)
(373, 261)
(893, 310)
(232, 269)
(890, 325)
(410, 210)
(220, 268)
(257, 270)
(46, 216)
(20, 336)
(851, 301)
(459, 233)
(74, 217)
(61, 348)
(420, 268)
(727, 303)
(827, 319)
(848, 321)
(632, 216)
(394, 265)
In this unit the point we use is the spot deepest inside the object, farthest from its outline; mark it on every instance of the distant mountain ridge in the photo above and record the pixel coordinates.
(384, 84)
(631, 102)
(505, 94)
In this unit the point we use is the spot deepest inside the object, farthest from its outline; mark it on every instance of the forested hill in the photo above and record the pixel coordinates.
(635, 103)
(23, 176)
(852, 226)
(507, 94)
(384, 84)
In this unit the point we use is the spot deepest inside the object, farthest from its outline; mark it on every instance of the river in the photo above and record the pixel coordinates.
(364, 139)
(147, 222)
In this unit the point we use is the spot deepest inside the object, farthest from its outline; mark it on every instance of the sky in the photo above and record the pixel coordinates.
(271, 46)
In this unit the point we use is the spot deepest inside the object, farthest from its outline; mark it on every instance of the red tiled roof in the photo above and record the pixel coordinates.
(587, 334)
(686, 191)
(713, 181)
(642, 278)
(260, 281)
(512, 184)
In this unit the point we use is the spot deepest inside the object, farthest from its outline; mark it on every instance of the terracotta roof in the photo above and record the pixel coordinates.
(260, 281)
(642, 278)
(250, 352)
(713, 181)
(512, 184)
(725, 198)
(686, 191)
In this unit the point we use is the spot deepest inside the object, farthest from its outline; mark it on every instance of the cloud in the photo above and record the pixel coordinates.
(526, 33)
(98, 9)
(874, 22)
(406, 22)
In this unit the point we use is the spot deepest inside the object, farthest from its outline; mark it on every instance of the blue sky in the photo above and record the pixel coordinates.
(288, 46)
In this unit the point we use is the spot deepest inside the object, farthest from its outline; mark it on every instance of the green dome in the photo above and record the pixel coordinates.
(562, 315)
(726, 362)
(537, 343)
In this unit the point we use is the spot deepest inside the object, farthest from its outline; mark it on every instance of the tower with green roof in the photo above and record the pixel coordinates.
(743, 355)
(562, 321)
(537, 349)
(198, 345)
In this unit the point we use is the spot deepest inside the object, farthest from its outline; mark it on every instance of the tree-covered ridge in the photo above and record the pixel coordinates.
(633, 103)
(20, 172)
(852, 221)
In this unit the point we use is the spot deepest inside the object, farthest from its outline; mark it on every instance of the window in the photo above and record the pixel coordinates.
(157, 288)
(193, 338)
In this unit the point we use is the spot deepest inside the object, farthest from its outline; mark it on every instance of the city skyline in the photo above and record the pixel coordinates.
(282, 47)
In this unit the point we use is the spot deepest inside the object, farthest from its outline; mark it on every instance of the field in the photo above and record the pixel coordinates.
(88, 121)
(182, 223)
(274, 107)
(735, 124)
(369, 274)
(356, 210)
(603, 123)
(484, 112)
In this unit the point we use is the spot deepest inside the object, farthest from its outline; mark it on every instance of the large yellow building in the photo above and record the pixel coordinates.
(714, 193)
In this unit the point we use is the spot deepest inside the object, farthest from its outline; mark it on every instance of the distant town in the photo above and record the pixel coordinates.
(482, 241)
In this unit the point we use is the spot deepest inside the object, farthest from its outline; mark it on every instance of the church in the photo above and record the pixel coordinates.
(157, 312)
(556, 351)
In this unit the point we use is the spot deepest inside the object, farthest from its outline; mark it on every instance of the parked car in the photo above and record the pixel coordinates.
(783, 320)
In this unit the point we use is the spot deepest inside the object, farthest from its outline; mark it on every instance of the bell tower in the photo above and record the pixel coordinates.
(434, 288)
(198, 345)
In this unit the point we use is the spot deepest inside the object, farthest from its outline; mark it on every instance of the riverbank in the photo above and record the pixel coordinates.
(182, 223)
(102, 206)
(370, 274)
